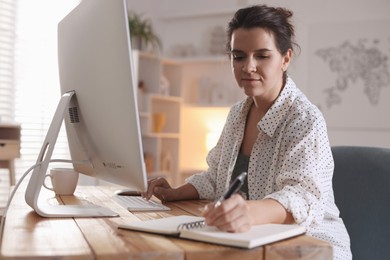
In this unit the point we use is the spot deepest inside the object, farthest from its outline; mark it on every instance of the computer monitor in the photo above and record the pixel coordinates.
(98, 103)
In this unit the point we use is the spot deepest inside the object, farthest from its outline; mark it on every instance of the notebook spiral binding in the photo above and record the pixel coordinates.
(191, 225)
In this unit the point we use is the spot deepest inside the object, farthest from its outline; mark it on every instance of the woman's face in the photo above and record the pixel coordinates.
(257, 64)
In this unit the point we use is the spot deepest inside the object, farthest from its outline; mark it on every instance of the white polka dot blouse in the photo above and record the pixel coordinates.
(291, 162)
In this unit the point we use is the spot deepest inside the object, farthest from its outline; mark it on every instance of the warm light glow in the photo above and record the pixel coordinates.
(211, 140)
(196, 125)
(214, 125)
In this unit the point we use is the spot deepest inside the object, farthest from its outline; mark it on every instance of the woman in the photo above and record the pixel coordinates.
(276, 135)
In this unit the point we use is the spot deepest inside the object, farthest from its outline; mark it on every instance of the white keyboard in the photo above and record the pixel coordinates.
(137, 203)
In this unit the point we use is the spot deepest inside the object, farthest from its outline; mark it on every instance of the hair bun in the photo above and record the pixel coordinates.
(284, 12)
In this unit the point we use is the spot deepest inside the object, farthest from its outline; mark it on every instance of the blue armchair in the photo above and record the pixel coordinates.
(361, 184)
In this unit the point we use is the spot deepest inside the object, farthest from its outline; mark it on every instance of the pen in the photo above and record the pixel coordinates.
(234, 187)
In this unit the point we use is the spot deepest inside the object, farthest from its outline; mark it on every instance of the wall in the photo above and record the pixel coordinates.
(353, 97)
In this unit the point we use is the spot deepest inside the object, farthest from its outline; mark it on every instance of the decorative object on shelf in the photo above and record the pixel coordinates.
(149, 162)
(166, 162)
(140, 95)
(217, 41)
(183, 50)
(219, 95)
(142, 33)
(158, 122)
(164, 85)
(212, 93)
(204, 93)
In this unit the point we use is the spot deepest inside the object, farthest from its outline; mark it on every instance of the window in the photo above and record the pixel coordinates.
(29, 83)
(7, 44)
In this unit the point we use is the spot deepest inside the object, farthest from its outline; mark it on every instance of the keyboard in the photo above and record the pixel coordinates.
(138, 203)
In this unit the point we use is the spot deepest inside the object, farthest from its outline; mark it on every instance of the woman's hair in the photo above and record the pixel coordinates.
(275, 20)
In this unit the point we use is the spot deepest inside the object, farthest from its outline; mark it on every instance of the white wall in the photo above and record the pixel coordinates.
(355, 121)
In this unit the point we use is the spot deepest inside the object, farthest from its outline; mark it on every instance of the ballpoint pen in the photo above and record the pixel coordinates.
(234, 187)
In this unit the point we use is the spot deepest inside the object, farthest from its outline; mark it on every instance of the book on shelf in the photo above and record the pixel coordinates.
(193, 228)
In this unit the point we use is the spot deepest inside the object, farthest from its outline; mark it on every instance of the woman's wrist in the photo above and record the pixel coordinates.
(269, 211)
(185, 192)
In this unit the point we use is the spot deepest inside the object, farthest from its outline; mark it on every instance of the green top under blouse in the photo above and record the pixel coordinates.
(241, 165)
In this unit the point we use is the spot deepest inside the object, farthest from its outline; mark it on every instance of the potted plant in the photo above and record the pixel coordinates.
(142, 33)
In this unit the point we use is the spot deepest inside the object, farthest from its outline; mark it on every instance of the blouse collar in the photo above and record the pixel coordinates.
(276, 113)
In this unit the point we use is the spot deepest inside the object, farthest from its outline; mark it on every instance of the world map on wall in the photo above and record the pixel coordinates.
(352, 61)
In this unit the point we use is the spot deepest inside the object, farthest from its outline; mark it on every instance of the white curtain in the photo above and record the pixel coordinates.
(31, 90)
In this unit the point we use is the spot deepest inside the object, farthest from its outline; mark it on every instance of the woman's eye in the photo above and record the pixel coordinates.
(262, 57)
(238, 57)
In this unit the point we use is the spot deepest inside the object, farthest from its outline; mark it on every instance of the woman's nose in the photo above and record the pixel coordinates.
(249, 65)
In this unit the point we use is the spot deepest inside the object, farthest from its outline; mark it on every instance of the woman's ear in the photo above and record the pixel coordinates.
(286, 59)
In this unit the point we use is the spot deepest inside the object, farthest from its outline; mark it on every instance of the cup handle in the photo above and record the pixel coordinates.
(44, 184)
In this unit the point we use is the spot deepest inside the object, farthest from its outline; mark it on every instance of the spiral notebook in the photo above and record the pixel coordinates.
(191, 227)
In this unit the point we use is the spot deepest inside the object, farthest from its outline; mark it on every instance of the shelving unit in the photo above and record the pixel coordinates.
(208, 81)
(208, 90)
(160, 104)
(197, 82)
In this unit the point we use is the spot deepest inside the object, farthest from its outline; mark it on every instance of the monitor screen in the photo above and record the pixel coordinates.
(98, 103)
(95, 62)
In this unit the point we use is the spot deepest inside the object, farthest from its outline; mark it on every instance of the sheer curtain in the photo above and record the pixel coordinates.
(34, 75)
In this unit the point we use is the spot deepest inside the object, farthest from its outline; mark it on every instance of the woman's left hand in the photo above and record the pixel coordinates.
(231, 216)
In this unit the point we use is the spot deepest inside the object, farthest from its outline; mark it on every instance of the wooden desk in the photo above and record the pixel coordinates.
(27, 235)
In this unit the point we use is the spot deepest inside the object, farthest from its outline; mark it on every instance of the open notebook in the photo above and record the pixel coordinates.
(190, 227)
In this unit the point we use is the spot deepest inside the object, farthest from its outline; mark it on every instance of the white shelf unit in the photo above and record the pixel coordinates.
(160, 112)
(193, 83)
(208, 90)
(208, 81)
(156, 105)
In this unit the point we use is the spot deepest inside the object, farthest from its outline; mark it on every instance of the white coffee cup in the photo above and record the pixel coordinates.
(64, 180)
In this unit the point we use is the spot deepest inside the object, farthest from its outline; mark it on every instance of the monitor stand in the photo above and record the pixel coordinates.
(39, 172)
